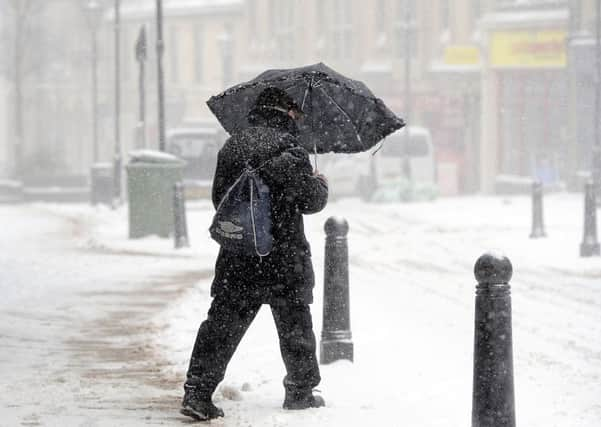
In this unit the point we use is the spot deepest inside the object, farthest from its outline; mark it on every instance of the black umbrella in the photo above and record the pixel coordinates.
(341, 115)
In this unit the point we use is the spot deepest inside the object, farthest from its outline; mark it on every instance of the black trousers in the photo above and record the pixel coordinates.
(227, 321)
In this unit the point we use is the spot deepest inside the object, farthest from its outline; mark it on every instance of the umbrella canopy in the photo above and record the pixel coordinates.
(341, 115)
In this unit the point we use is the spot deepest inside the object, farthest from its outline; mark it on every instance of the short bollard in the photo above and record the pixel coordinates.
(590, 244)
(180, 226)
(336, 338)
(538, 224)
(493, 396)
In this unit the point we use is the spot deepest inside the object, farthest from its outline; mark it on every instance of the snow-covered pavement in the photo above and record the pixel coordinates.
(75, 324)
(103, 326)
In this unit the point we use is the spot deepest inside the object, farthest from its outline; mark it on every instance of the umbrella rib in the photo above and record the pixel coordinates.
(343, 112)
(361, 120)
(304, 99)
(306, 93)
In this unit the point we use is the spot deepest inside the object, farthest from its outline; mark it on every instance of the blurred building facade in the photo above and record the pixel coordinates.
(581, 84)
(54, 86)
(524, 93)
(487, 78)
(5, 155)
(201, 58)
(505, 87)
(369, 41)
(4, 132)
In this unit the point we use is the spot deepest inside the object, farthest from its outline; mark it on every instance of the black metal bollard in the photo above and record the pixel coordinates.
(538, 224)
(493, 395)
(336, 338)
(180, 226)
(590, 244)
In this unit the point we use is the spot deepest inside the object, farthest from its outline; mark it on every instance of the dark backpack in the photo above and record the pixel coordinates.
(242, 223)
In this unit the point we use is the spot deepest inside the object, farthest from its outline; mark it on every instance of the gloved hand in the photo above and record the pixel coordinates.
(320, 176)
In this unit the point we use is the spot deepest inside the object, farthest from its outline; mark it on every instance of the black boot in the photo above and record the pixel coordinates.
(302, 398)
(199, 405)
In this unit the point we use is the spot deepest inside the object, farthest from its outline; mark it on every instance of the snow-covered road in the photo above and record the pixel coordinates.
(97, 330)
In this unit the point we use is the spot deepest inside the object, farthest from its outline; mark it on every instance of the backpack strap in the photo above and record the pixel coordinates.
(261, 166)
(247, 170)
(229, 190)
(252, 218)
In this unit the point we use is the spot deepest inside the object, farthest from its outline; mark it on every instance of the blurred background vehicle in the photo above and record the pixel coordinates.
(197, 144)
(400, 168)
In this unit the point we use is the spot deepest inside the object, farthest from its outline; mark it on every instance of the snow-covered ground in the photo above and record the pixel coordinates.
(412, 302)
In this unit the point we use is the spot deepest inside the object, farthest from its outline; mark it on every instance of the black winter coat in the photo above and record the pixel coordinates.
(285, 276)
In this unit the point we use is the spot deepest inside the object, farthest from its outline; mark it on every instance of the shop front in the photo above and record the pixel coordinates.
(532, 97)
(525, 112)
(455, 123)
(582, 66)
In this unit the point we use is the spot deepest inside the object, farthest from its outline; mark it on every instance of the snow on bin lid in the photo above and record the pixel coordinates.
(153, 156)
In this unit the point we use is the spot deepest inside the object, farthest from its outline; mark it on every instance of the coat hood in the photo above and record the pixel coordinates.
(268, 116)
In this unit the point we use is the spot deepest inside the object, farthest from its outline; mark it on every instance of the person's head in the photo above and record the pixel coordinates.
(277, 99)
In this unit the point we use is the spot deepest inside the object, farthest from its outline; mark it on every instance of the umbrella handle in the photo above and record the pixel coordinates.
(314, 143)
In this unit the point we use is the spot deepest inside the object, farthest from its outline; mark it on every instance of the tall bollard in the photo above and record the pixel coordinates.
(590, 244)
(493, 396)
(538, 224)
(336, 338)
(180, 226)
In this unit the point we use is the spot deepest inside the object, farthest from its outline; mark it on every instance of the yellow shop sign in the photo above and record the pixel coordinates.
(461, 54)
(528, 49)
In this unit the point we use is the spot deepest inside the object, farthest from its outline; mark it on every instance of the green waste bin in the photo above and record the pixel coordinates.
(151, 176)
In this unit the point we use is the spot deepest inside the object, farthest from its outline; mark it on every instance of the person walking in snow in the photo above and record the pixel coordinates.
(284, 279)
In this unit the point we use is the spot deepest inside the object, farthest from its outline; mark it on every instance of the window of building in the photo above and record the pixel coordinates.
(475, 13)
(273, 12)
(284, 29)
(226, 40)
(341, 29)
(127, 63)
(173, 55)
(252, 18)
(381, 16)
(445, 15)
(320, 26)
(405, 28)
(532, 3)
(381, 23)
(320, 15)
(198, 55)
(476, 10)
(575, 15)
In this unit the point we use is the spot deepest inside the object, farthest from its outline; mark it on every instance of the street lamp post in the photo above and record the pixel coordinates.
(117, 155)
(141, 58)
(406, 164)
(596, 169)
(160, 74)
(94, 12)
